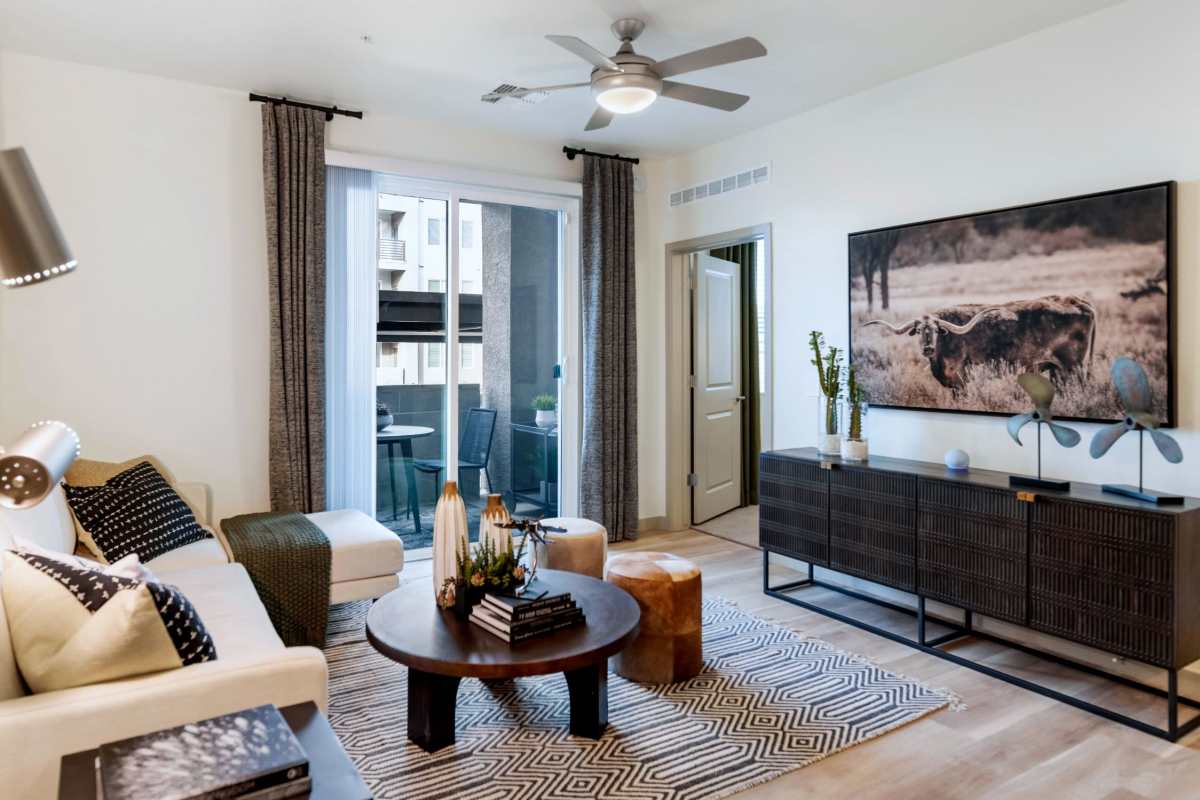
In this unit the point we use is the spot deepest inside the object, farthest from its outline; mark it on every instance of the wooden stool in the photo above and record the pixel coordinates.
(667, 588)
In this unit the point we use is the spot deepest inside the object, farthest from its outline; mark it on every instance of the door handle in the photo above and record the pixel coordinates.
(740, 398)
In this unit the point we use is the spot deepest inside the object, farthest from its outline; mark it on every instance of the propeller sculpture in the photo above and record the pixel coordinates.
(1133, 387)
(1041, 392)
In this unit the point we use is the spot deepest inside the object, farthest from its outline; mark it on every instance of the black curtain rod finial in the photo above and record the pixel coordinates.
(571, 152)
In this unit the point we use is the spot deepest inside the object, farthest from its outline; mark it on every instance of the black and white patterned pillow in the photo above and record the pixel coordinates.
(72, 626)
(136, 511)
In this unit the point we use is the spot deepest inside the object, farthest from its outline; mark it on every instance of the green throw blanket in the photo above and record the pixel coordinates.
(288, 559)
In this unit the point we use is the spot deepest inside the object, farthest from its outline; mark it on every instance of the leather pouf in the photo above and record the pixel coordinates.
(667, 588)
(581, 548)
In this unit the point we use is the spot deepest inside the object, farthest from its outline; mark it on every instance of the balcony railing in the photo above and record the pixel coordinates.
(392, 250)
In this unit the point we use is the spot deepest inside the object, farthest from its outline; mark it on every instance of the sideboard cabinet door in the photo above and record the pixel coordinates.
(972, 546)
(873, 525)
(1102, 576)
(793, 508)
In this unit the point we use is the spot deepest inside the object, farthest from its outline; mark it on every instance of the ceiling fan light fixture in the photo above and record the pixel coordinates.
(627, 92)
(626, 99)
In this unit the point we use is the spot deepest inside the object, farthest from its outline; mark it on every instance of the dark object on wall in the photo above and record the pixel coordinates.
(294, 197)
(328, 111)
(1041, 392)
(944, 314)
(1133, 387)
(1104, 571)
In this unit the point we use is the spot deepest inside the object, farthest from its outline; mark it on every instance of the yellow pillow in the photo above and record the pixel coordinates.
(73, 626)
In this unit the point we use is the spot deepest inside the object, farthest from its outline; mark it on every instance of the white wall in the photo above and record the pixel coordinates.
(1102, 102)
(158, 343)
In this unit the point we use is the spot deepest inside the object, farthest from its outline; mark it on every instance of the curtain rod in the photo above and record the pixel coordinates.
(283, 101)
(579, 151)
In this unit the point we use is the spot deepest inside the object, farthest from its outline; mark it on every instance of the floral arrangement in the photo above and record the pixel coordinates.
(489, 569)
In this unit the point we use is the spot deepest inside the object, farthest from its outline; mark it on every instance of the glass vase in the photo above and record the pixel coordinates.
(854, 434)
(828, 427)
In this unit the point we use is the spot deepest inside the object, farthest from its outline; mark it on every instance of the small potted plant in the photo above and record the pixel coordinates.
(383, 416)
(829, 377)
(484, 570)
(546, 415)
(854, 443)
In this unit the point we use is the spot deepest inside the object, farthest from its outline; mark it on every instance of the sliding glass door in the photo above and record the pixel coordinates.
(478, 291)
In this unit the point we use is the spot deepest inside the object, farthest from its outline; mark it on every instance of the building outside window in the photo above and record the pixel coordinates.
(434, 234)
(468, 233)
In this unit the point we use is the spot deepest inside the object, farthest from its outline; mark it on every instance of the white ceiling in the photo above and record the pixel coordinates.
(433, 59)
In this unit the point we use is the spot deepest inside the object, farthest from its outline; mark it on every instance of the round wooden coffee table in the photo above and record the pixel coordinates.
(440, 650)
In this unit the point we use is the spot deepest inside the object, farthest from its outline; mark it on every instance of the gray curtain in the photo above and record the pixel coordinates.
(608, 481)
(743, 254)
(294, 195)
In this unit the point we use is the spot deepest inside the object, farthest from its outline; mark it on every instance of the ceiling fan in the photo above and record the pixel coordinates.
(628, 82)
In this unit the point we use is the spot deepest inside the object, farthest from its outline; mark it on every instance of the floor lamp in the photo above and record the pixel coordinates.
(32, 250)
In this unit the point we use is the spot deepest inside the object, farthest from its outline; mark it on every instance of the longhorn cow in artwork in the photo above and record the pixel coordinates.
(1053, 335)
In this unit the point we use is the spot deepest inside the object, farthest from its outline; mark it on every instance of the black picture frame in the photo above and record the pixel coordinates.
(1171, 255)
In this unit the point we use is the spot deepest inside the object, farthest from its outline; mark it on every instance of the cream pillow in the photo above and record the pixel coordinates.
(73, 626)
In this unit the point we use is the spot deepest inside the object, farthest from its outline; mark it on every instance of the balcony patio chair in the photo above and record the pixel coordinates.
(474, 448)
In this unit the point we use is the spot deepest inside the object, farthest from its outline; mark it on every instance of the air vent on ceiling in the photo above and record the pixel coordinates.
(719, 186)
(502, 94)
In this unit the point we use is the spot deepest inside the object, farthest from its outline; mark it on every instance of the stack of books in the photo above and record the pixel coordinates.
(249, 755)
(516, 619)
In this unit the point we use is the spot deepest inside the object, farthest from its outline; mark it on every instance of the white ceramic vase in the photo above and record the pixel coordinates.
(547, 418)
(495, 514)
(449, 535)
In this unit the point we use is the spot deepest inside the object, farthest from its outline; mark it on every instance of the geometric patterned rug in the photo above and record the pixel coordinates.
(768, 701)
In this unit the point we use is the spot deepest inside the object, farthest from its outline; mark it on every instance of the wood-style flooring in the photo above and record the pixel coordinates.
(1008, 743)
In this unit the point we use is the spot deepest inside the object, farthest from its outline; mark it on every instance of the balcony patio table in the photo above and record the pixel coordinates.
(404, 435)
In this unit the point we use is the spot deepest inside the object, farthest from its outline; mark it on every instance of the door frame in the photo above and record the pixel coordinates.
(454, 192)
(678, 358)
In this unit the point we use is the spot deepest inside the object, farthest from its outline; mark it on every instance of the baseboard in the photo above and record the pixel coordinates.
(649, 524)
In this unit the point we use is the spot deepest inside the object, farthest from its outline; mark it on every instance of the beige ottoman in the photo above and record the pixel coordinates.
(582, 548)
(667, 588)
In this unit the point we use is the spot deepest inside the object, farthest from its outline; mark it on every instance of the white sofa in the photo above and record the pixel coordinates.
(252, 668)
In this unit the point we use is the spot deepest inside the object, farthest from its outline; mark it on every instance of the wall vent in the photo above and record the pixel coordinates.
(505, 90)
(709, 189)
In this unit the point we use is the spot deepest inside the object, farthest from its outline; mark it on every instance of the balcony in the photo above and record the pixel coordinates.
(393, 250)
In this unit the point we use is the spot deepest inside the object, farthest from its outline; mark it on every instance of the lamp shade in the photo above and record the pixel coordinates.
(36, 462)
(32, 248)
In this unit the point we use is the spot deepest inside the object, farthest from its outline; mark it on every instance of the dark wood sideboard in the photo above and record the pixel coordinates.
(1101, 570)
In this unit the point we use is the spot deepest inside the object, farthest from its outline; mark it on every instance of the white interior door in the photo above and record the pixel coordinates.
(717, 394)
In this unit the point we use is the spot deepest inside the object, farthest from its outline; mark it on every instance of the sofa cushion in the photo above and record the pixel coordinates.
(49, 524)
(10, 677)
(135, 511)
(72, 626)
(228, 603)
(204, 553)
(360, 547)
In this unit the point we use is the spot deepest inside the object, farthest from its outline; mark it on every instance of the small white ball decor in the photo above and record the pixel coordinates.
(957, 460)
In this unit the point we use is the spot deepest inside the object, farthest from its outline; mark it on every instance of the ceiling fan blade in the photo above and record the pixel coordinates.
(585, 51)
(1106, 437)
(599, 120)
(702, 95)
(1016, 423)
(522, 91)
(718, 54)
(1067, 437)
(1132, 385)
(1040, 390)
(1167, 446)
